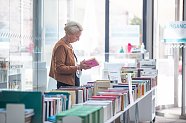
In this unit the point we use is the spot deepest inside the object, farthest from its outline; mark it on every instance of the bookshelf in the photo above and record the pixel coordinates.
(31, 100)
(142, 109)
(11, 74)
(137, 105)
(135, 108)
(26, 97)
(134, 105)
(130, 100)
(3, 72)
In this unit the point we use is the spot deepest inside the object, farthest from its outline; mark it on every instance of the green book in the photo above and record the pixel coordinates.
(81, 114)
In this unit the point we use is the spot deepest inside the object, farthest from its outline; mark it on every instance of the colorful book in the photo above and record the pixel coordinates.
(112, 98)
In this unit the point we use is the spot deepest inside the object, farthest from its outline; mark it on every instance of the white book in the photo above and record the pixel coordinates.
(58, 105)
(70, 102)
(44, 111)
(108, 103)
(49, 106)
(80, 96)
(149, 73)
(72, 119)
(15, 113)
(47, 109)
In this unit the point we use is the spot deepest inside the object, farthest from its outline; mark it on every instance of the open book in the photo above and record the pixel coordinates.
(91, 62)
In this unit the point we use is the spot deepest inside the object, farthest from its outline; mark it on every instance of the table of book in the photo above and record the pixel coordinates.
(125, 112)
(135, 103)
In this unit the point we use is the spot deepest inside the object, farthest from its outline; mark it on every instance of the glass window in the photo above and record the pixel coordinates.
(16, 27)
(56, 14)
(168, 84)
(4, 43)
(125, 24)
(91, 14)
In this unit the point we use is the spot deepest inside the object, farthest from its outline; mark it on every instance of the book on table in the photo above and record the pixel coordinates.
(82, 114)
(106, 108)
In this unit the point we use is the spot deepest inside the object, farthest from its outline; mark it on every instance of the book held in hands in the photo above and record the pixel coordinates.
(91, 62)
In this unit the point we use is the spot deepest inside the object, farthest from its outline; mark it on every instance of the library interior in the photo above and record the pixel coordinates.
(92, 61)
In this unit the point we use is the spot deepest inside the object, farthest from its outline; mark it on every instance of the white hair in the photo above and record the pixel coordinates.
(72, 27)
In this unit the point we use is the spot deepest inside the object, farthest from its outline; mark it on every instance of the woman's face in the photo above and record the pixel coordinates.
(74, 37)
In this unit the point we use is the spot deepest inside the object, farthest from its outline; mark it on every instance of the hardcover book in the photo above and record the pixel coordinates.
(91, 62)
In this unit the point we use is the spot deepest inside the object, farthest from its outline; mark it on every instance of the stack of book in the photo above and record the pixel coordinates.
(62, 99)
(144, 82)
(125, 71)
(89, 89)
(120, 92)
(147, 63)
(147, 69)
(100, 85)
(116, 101)
(55, 102)
(80, 94)
(125, 86)
(125, 96)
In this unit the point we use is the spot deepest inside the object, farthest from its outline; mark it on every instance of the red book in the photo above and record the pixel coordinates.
(116, 91)
(91, 62)
(105, 97)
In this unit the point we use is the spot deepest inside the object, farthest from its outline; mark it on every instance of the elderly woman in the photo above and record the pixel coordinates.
(64, 68)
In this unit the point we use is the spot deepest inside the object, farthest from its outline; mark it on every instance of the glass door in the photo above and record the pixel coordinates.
(168, 55)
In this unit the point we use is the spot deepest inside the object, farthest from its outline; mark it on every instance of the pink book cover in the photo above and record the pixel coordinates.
(92, 62)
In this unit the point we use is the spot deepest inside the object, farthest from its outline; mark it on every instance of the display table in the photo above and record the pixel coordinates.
(136, 107)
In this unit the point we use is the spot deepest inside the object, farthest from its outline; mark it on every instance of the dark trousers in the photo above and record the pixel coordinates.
(60, 84)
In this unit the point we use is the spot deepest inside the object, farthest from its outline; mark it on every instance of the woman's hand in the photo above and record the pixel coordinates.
(83, 65)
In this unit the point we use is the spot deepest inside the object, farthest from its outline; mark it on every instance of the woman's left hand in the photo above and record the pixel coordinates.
(84, 66)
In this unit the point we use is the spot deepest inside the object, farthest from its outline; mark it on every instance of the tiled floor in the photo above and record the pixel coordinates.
(160, 119)
(171, 115)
